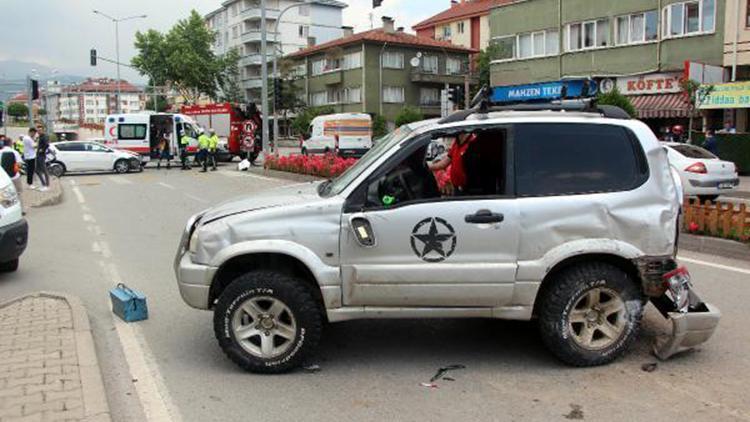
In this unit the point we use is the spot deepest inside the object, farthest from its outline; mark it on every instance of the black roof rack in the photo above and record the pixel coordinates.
(482, 105)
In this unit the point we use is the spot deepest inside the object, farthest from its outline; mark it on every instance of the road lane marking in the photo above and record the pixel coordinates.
(119, 180)
(713, 265)
(230, 173)
(166, 185)
(89, 218)
(101, 247)
(269, 179)
(195, 198)
(73, 182)
(79, 195)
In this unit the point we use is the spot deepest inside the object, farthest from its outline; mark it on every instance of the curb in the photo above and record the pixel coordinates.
(714, 246)
(95, 405)
(295, 177)
(55, 199)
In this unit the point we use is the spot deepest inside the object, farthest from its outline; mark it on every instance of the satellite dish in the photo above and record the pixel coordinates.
(414, 62)
(419, 54)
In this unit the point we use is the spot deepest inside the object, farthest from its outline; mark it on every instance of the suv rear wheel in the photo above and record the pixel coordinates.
(591, 314)
(267, 322)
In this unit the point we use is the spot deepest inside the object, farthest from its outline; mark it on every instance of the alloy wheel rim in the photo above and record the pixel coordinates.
(264, 327)
(122, 167)
(597, 320)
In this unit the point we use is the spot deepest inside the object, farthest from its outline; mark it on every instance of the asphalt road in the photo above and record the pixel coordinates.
(126, 228)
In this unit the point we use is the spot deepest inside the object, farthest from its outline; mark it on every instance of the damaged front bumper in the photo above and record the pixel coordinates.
(691, 326)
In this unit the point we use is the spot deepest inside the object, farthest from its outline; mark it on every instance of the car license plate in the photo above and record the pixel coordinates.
(726, 185)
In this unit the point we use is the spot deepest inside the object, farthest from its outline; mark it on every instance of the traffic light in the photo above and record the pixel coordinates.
(460, 96)
(2, 114)
(278, 92)
(452, 95)
(93, 57)
(377, 3)
(34, 89)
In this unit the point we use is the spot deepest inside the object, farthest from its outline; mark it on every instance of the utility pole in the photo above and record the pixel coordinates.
(29, 100)
(264, 76)
(117, 50)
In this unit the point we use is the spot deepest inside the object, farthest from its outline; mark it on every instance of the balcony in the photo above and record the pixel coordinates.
(430, 108)
(254, 35)
(254, 59)
(252, 82)
(330, 77)
(420, 76)
(253, 13)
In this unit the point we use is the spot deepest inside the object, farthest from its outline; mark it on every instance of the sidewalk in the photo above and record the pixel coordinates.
(48, 365)
(34, 198)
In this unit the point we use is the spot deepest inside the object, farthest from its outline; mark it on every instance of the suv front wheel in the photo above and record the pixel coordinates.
(591, 314)
(267, 322)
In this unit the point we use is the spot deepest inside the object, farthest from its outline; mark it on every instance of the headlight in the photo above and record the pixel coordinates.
(8, 196)
(193, 243)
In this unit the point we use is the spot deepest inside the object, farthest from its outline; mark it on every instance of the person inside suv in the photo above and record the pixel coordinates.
(455, 160)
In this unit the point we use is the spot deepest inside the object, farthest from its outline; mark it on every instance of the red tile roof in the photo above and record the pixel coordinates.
(380, 36)
(102, 85)
(464, 10)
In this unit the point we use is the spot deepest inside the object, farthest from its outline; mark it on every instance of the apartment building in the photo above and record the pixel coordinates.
(640, 46)
(92, 100)
(380, 71)
(237, 23)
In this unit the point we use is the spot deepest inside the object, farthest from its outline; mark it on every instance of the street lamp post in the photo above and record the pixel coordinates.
(117, 49)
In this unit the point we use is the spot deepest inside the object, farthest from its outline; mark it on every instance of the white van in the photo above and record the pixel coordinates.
(348, 134)
(141, 132)
(14, 231)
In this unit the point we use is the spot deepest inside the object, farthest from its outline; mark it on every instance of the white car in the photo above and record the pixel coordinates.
(702, 173)
(84, 156)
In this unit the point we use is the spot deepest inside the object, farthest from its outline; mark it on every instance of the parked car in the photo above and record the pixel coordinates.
(86, 156)
(569, 218)
(702, 173)
(14, 231)
(347, 134)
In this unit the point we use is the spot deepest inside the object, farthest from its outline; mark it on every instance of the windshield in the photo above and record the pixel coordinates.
(340, 183)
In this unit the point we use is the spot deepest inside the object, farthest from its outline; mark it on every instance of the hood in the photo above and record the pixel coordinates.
(287, 195)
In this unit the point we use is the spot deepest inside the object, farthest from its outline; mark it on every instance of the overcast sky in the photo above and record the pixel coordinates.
(59, 33)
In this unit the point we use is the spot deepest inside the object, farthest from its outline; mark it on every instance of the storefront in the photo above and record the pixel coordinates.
(658, 99)
(726, 105)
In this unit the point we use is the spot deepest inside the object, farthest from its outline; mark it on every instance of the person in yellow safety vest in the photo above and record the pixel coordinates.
(184, 143)
(18, 145)
(213, 145)
(203, 142)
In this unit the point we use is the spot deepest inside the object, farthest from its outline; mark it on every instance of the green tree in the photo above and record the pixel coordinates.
(18, 110)
(182, 59)
(408, 115)
(301, 123)
(229, 84)
(615, 98)
(379, 127)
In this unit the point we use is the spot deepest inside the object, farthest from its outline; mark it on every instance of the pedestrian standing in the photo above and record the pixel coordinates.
(184, 143)
(41, 158)
(18, 145)
(29, 157)
(710, 143)
(203, 142)
(164, 152)
(213, 145)
(11, 163)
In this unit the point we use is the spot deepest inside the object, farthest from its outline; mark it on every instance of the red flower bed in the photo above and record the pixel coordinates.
(327, 166)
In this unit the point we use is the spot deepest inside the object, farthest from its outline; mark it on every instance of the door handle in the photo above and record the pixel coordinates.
(484, 217)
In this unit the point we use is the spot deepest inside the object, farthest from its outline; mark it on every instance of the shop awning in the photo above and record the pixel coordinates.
(661, 106)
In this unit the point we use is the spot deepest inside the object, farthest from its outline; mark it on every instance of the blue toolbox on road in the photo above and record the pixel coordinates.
(128, 304)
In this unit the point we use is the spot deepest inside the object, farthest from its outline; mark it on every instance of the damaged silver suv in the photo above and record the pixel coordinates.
(568, 215)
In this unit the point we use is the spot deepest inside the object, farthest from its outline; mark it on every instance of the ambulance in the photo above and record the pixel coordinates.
(142, 132)
(347, 134)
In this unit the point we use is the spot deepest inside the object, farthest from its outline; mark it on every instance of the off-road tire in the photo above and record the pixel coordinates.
(295, 294)
(570, 286)
(10, 266)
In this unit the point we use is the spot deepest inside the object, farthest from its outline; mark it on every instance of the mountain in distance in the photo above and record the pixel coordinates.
(13, 76)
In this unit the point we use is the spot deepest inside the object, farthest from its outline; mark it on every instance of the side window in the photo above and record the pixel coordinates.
(126, 131)
(75, 147)
(95, 148)
(565, 159)
(62, 147)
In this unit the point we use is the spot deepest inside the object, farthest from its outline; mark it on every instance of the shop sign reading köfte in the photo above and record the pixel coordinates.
(655, 83)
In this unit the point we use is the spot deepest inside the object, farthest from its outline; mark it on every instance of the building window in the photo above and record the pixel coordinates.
(587, 35)
(304, 31)
(446, 31)
(429, 96)
(747, 14)
(332, 64)
(637, 28)
(318, 98)
(453, 66)
(430, 64)
(504, 48)
(318, 67)
(352, 95)
(334, 96)
(689, 18)
(235, 31)
(393, 60)
(393, 94)
(461, 27)
(353, 60)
